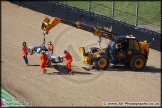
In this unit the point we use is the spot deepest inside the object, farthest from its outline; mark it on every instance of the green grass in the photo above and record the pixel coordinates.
(149, 12)
(79, 4)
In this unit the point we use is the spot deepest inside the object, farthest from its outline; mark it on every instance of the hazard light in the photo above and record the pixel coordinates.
(129, 52)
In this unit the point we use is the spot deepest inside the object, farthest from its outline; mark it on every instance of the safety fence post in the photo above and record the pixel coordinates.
(137, 6)
(113, 3)
(89, 5)
(65, 2)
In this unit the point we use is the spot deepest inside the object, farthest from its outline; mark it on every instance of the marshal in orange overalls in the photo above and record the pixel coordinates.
(43, 58)
(25, 52)
(69, 60)
(51, 48)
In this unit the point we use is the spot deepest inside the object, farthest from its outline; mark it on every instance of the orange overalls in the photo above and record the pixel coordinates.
(24, 50)
(69, 60)
(51, 48)
(43, 58)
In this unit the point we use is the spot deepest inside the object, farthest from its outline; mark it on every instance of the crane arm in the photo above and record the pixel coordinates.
(48, 24)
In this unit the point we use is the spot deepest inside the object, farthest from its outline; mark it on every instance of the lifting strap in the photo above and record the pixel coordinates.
(43, 48)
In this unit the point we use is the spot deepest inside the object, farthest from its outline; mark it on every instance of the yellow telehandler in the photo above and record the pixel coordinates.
(121, 49)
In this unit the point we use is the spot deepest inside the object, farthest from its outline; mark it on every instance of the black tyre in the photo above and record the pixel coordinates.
(138, 62)
(101, 63)
(30, 50)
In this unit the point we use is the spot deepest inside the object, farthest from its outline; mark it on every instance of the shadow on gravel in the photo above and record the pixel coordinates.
(85, 68)
(120, 68)
(33, 65)
(63, 71)
(151, 69)
(67, 73)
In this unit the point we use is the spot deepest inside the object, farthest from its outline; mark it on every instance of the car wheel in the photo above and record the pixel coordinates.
(30, 50)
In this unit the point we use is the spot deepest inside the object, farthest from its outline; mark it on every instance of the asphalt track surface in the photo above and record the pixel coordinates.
(87, 87)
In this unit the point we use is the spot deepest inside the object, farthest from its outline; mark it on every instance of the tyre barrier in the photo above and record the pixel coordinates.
(73, 14)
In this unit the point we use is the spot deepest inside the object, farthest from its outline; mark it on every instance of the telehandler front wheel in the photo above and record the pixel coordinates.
(138, 62)
(101, 63)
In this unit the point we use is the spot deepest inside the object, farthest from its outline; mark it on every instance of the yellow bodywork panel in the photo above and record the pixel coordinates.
(136, 45)
(81, 49)
(86, 58)
(145, 48)
(89, 57)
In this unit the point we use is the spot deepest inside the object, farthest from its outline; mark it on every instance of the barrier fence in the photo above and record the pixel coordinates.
(146, 14)
(73, 14)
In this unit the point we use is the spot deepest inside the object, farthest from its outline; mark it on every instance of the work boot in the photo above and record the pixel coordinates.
(44, 71)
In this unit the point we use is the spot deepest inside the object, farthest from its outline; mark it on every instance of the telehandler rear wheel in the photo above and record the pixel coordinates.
(101, 63)
(138, 62)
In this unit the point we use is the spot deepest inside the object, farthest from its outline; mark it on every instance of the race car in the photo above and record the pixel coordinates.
(51, 57)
